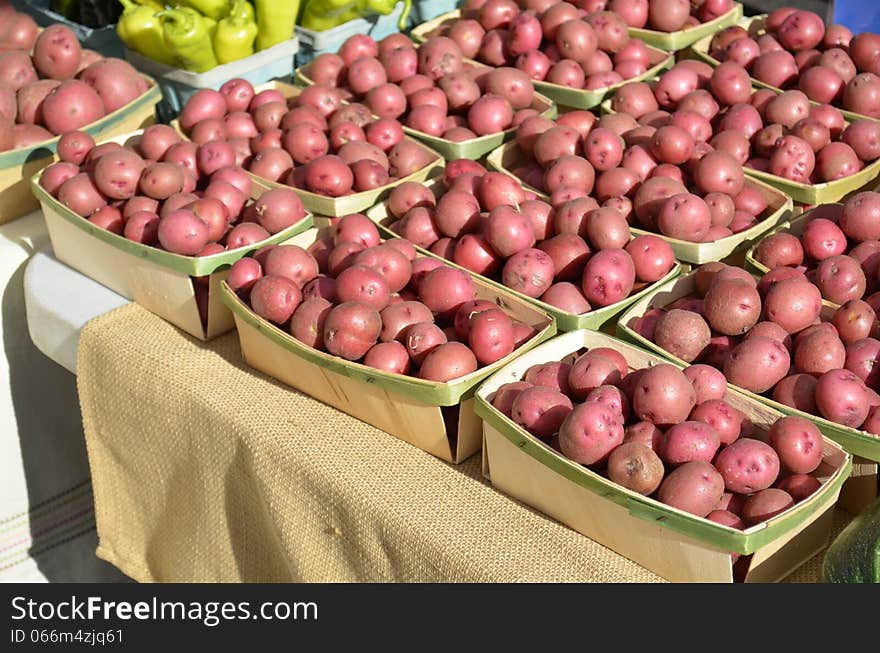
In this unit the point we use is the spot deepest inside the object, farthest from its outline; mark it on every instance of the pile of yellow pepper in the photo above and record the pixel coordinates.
(198, 35)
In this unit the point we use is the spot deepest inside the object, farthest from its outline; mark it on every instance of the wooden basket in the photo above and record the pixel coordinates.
(670, 542)
(415, 410)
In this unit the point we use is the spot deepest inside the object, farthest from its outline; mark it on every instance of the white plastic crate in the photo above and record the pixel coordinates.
(179, 85)
(312, 43)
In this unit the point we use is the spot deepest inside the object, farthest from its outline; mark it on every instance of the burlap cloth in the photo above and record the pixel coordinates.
(205, 470)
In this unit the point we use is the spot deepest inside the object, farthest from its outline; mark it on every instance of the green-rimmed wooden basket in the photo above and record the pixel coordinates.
(451, 150)
(856, 442)
(160, 281)
(323, 205)
(779, 207)
(405, 406)
(670, 41)
(794, 227)
(700, 51)
(565, 321)
(17, 166)
(675, 544)
(824, 193)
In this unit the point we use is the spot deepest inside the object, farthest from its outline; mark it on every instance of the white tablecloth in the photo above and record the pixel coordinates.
(47, 528)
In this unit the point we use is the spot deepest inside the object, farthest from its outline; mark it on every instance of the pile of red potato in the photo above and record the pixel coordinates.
(583, 45)
(773, 336)
(377, 303)
(312, 142)
(793, 49)
(691, 110)
(162, 191)
(429, 87)
(659, 178)
(666, 433)
(575, 257)
(50, 85)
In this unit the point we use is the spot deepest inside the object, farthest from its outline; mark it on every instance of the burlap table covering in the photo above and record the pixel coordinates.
(205, 470)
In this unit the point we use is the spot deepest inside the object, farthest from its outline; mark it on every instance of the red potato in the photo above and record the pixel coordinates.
(613, 397)
(695, 487)
(798, 443)
(213, 213)
(652, 257)
(765, 504)
(504, 397)
(308, 319)
(70, 106)
(239, 93)
(490, 336)
(780, 250)
(161, 180)
(244, 234)
(278, 209)
(323, 287)
(291, 262)
(351, 329)
(529, 271)
(447, 362)
(566, 297)
(589, 433)
(16, 69)
(508, 231)
(748, 466)
(684, 334)
(445, 289)
(182, 232)
(551, 375)
(636, 467)
(854, 321)
(57, 52)
(608, 277)
(116, 82)
(709, 383)
(359, 283)
(689, 441)
(421, 339)
(243, 274)
(757, 364)
(799, 486)
(644, 433)
(274, 298)
(591, 371)
(842, 397)
(397, 318)
(109, 218)
(722, 417)
(80, 195)
(840, 279)
(663, 395)
(118, 173)
(793, 304)
(74, 146)
(55, 175)
(388, 357)
(540, 410)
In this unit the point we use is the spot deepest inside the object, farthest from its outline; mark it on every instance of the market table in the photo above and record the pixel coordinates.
(205, 470)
